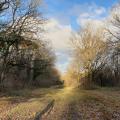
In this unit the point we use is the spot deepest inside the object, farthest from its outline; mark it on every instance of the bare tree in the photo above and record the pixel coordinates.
(22, 24)
(87, 44)
(114, 40)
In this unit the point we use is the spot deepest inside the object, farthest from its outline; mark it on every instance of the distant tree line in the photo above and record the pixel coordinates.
(25, 58)
(96, 53)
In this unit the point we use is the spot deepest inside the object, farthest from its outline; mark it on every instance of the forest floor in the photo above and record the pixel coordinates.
(70, 104)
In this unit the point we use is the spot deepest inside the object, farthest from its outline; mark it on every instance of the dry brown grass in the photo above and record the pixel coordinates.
(70, 104)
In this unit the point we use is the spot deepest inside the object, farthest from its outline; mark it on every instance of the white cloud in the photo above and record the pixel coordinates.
(64, 59)
(58, 34)
(94, 14)
(62, 67)
(94, 22)
(100, 11)
(92, 8)
(59, 28)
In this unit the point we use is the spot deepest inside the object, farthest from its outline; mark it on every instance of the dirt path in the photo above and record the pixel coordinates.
(97, 105)
(70, 104)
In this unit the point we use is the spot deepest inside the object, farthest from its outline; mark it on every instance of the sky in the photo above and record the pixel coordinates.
(67, 16)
